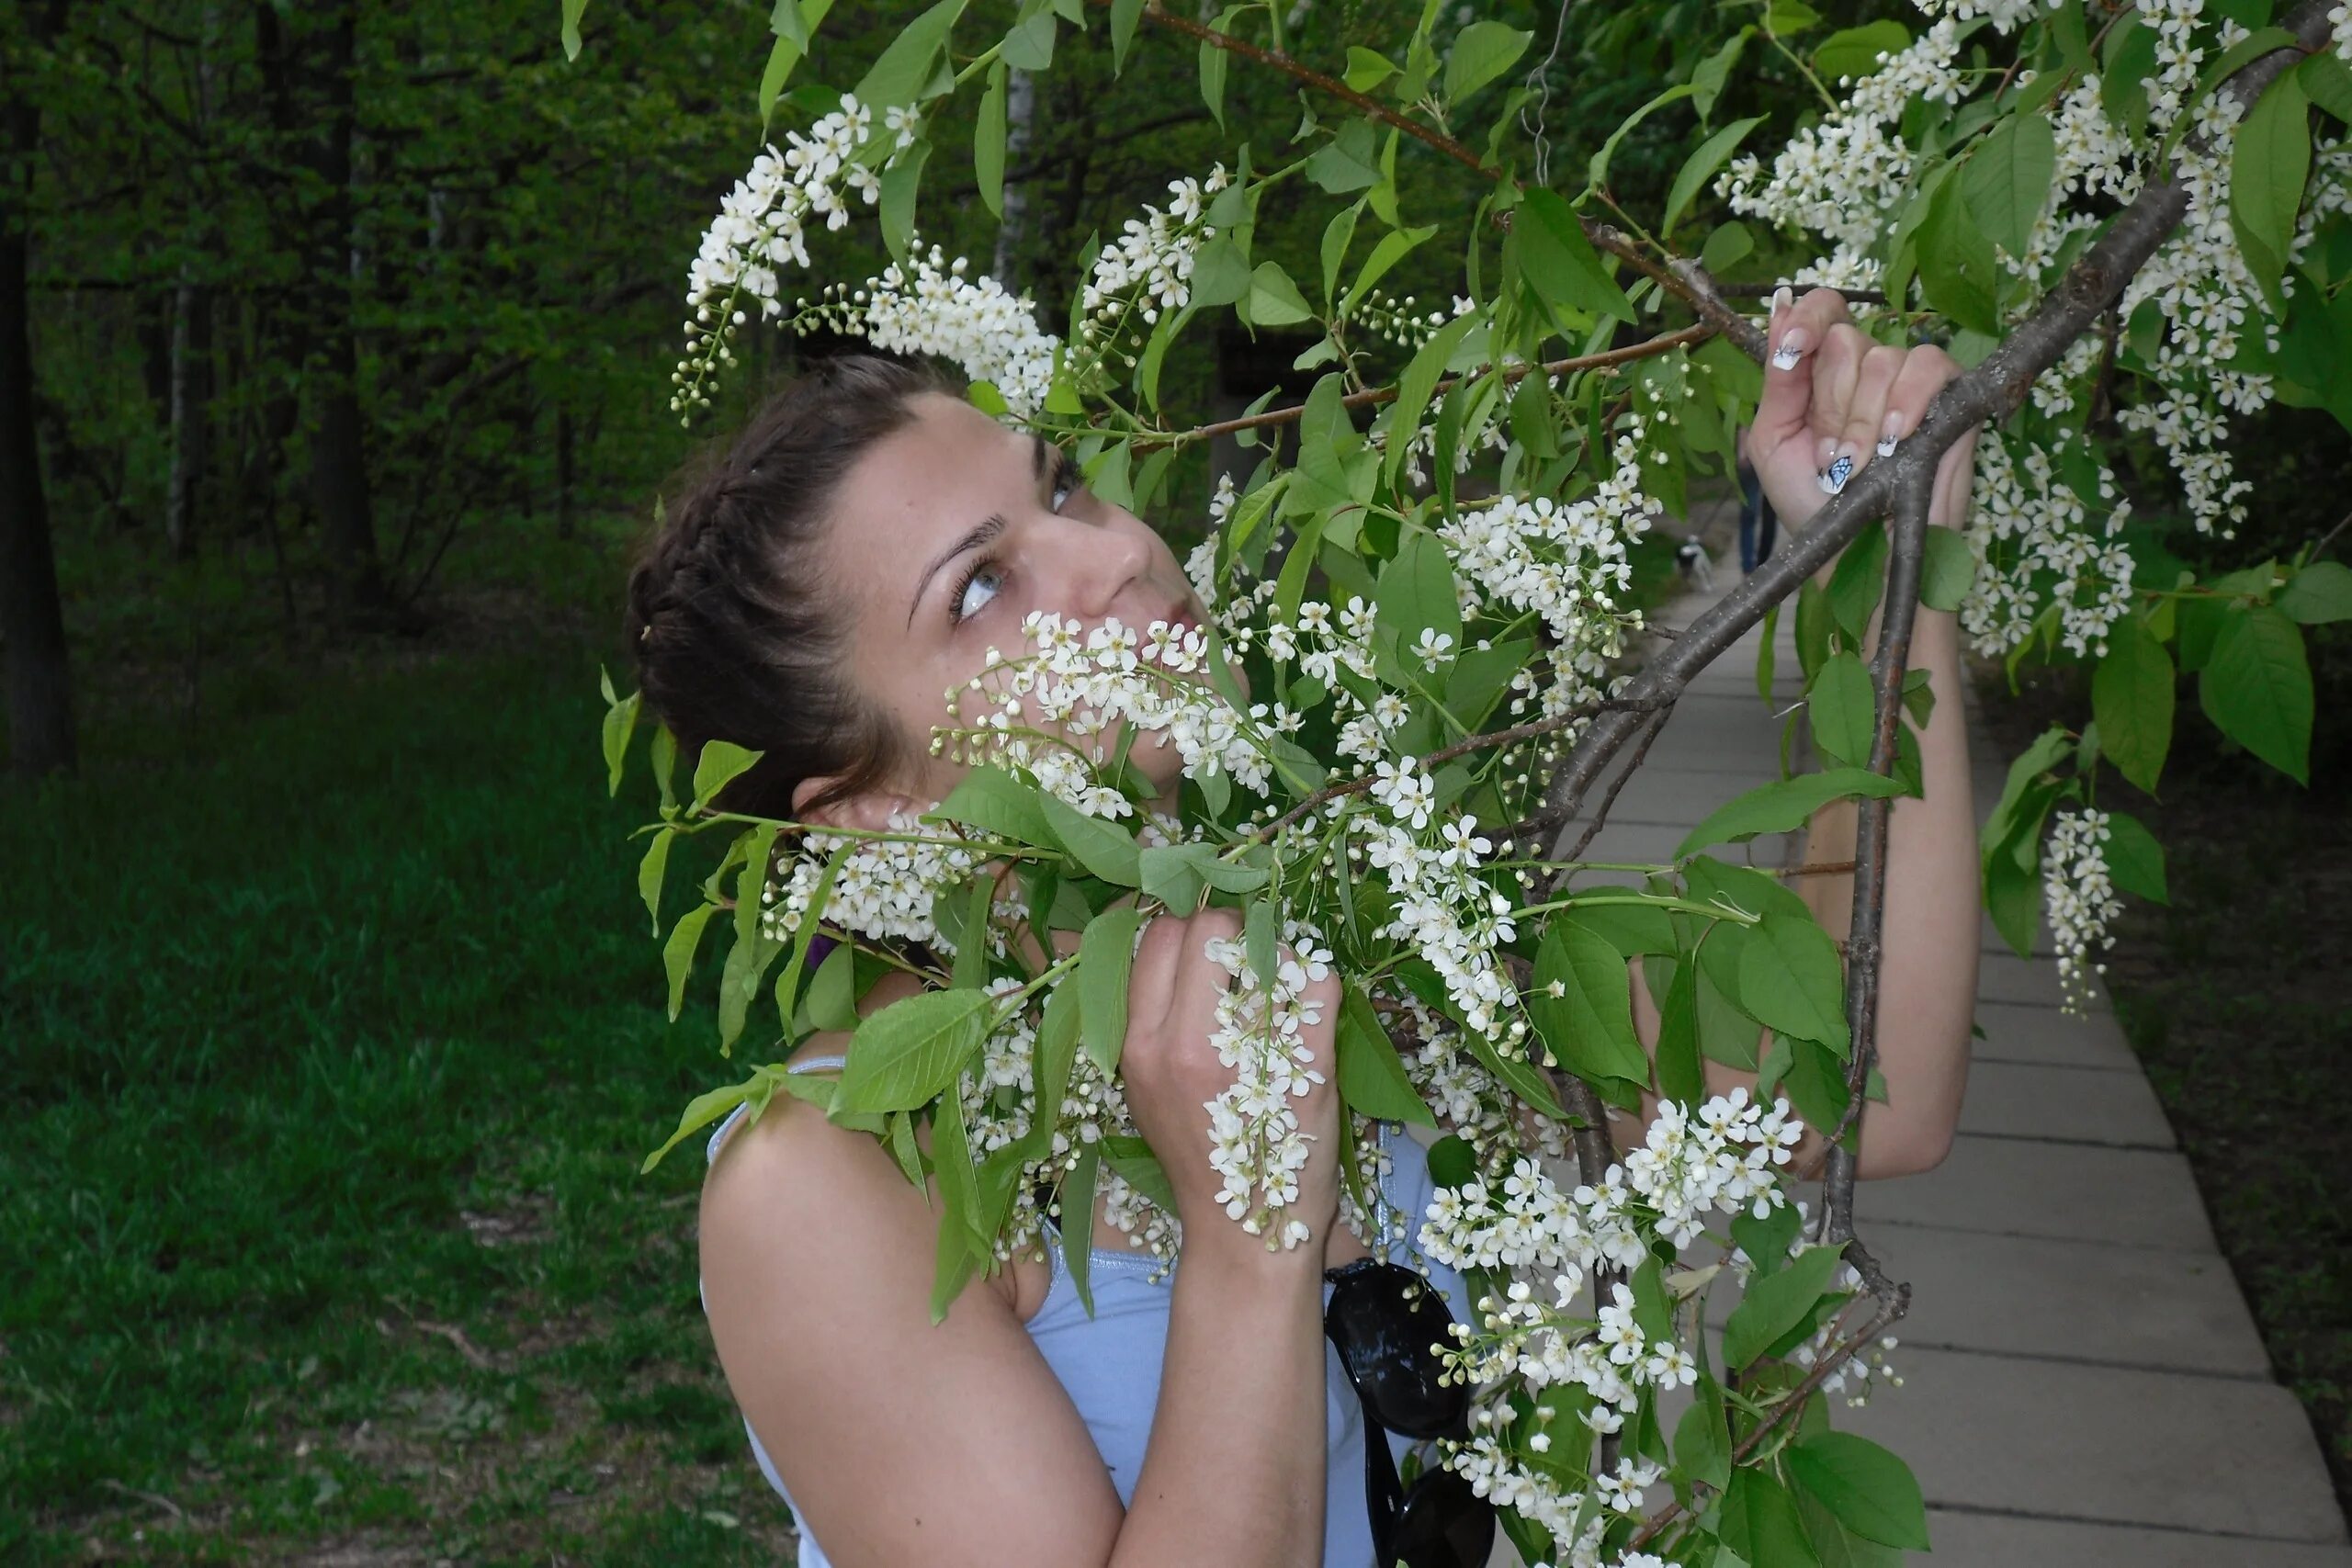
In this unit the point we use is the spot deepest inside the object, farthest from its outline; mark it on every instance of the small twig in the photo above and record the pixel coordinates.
(1601, 817)
(1865, 945)
(1531, 730)
(1819, 868)
(152, 1499)
(1766, 290)
(2329, 538)
(1664, 343)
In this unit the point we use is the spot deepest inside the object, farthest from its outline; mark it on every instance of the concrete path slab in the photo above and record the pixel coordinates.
(2080, 1301)
(2033, 1099)
(2065, 1191)
(2018, 1032)
(2006, 1540)
(2003, 977)
(2219, 1455)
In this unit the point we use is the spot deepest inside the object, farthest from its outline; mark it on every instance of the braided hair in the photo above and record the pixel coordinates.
(736, 634)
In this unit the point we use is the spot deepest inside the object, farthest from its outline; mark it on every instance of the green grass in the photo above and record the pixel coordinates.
(335, 1019)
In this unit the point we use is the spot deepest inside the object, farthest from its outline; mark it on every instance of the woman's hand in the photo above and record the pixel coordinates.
(1833, 398)
(1172, 1072)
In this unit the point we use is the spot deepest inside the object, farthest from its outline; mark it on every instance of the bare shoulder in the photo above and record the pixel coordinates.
(816, 1263)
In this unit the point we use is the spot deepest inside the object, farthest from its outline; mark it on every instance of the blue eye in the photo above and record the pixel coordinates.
(967, 602)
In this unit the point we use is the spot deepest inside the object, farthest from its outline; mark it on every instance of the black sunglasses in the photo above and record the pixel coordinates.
(1386, 1323)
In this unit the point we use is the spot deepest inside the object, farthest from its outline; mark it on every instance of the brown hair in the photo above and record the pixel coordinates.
(735, 634)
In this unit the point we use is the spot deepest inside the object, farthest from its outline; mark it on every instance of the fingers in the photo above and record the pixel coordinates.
(1797, 328)
(1861, 429)
(1151, 981)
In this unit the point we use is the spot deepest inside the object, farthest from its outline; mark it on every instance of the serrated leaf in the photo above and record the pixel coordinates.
(2319, 593)
(1774, 1303)
(1559, 263)
(987, 141)
(1105, 957)
(1589, 1024)
(1483, 51)
(1103, 848)
(1841, 706)
(992, 800)
(2006, 180)
(1947, 571)
(2268, 173)
(1855, 51)
(2257, 688)
(678, 952)
(1957, 266)
(1791, 980)
(720, 762)
(1701, 166)
(1871, 1491)
(1783, 806)
(1275, 299)
(2135, 862)
(1371, 1076)
(2132, 700)
(904, 1056)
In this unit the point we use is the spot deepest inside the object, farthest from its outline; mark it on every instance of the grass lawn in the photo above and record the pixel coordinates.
(335, 1036)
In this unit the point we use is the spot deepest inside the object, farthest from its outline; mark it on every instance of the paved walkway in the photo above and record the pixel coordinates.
(2083, 1386)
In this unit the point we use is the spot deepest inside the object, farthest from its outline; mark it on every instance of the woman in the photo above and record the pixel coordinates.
(855, 556)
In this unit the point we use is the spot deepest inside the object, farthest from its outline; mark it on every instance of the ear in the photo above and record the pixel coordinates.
(867, 811)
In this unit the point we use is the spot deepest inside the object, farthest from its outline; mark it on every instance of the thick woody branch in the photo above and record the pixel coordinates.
(1988, 392)
(1864, 947)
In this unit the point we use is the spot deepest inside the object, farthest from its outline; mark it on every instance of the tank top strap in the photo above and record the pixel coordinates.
(726, 1129)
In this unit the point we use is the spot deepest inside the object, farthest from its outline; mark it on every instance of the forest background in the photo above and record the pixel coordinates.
(335, 345)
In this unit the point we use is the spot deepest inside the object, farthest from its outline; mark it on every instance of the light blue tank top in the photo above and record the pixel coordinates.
(1110, 1364)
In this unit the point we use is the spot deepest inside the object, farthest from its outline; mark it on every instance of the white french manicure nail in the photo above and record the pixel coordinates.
(1888, 434)
(1781, 298)
(1792, 347)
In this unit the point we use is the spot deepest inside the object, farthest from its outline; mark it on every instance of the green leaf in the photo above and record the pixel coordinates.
(900, 182)
(1338, 235)
(1103, 847)
(2005, 182)
(1857, 583)
(988, 140)
(1030, 45)
(995, 802)
(1220, 273)
(1956, 265)
(2328, 79)
(1589, 1024)
(1759, 1520)
(1367, 70)
(2319, 593)
(1105, 954)
(1139, 1169)
(720, 762)
(2127, 60)
(1855, 51)
(2267, 177)
(678, 952)
(900, 74)
(650, 872)
(1483, 51)
(1783, 806)
(2135, 862)
(706, 1107)
(2256, 689)
(1559, 263)
(1841, 707)
(1212, 70)
(904, 1056)
(1275, 299)
(2132, 701)
(1350, 161)
(1078, 1224)
(1701, 167)
(1786, 19)
(832, 991)
(1125, 15)
(1392, 248)
(1948, 571)
(1681, 1075)
(1873, 1493)
(1813, 624)
(1775, 1303)
(1703, 1438)
(1790, 979)
(620, 723)
(572, 10)
(1417, 593)
(1709, 76)
(1371, 1074)
(1415, 385)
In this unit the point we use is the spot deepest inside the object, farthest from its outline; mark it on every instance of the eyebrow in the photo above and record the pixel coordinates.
(980, 534)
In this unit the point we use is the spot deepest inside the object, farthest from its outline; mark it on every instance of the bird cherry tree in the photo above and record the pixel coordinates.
(1407, 694)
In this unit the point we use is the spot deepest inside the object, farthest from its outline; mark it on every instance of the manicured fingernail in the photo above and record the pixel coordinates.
(1834, 477)
(1782, 299)
(1793, 344)
(1889, 433)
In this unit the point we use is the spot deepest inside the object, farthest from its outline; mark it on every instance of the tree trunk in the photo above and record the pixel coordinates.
(1020, 116)
(191, 396)
(41, 690)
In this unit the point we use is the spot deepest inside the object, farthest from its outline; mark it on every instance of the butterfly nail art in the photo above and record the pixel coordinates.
(1834, 477)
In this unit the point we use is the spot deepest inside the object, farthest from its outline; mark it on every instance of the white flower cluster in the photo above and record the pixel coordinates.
(2037, 544)
(2005, 15)
(1055, 707)
(763, 226)
(940, 311)
(1255, 1142)
(2079, 897)
(886, 888)
(2339, 22)
(1148, 269)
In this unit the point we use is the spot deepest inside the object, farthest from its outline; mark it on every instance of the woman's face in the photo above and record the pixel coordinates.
(946, 536)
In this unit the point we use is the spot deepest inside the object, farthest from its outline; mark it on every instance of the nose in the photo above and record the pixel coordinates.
(1090, 571)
